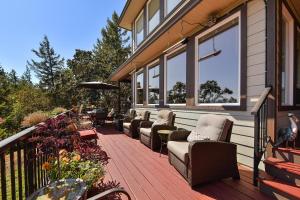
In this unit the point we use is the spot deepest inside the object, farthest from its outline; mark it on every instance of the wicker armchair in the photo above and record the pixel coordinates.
(132, 123)
(148, 130)
(210, 159)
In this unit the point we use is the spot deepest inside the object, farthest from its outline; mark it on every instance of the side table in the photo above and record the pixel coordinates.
(164, 137)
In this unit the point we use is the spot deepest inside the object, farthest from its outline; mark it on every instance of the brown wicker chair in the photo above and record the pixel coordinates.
(148, 130)
(132, 122)
(201, 161)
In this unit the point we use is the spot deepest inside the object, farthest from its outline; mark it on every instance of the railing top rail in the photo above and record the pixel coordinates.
(15, 138)
(263, 97)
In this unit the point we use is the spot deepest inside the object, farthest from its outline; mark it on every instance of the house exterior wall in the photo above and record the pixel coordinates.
(243, 130)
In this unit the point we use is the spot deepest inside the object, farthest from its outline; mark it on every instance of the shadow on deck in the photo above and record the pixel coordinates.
(147, 176)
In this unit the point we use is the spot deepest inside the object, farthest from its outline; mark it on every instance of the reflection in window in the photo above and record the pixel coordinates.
(171, 4)
(140, 88)
(176, 79)
(153, 14)
(287, 58)
(153, 85)
(297, 95)
(218, 55)
(139, 29)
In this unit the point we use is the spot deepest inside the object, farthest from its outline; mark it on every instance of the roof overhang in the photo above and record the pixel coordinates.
(130, 11)
(169, 32)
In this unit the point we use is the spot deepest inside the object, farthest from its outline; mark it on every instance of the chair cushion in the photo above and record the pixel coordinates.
(141, 114)
(145, 131)
(180, 149)
(88, 134)
(126, 125)
(131, 113)
(164, 117)
(194, 136)
(210, 127)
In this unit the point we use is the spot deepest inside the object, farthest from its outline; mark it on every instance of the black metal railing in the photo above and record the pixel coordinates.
(261, 138)
(21, 166)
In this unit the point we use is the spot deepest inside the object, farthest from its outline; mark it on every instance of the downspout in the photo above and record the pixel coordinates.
(266, 38)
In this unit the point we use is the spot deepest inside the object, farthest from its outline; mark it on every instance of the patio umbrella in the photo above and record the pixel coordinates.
(98, 85)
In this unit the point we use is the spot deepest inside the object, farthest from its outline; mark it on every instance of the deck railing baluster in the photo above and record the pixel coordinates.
(20, 181)
(3, 177)
(12, 173)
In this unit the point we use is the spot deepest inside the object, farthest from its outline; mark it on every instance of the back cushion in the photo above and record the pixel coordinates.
(141, 114)
(164, 117)
(211, 127)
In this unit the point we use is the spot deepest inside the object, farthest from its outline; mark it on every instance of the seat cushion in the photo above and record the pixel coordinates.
(210, 127)
(88, 134)
(180, 149)
(141, 115)
(126, 125)
(145, 131)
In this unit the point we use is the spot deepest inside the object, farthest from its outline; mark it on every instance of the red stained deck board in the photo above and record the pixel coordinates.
(148, 176)
(287, 166)
(283, 187)
(290, 150)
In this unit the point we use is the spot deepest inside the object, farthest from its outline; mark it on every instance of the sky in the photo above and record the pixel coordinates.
(69, 25)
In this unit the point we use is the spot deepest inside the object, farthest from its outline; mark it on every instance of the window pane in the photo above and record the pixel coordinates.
(287, 60)
(140, 88)
(171, 4)
(176, 79)
(153, 14)
(298, 68)
(139, 30)
(153, 85)
(219, 72)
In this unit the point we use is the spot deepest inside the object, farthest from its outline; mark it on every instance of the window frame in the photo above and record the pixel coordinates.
(222, 23)
(173, 54)
(147, 17)
(141, 14)
(151, 65)
(141, 71)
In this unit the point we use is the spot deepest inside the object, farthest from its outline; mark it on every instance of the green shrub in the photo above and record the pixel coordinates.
(58, 110)
(34, 118)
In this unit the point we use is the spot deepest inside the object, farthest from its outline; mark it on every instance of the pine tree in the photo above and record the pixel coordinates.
(26, 77)
(49, 65)
(13, 77)
(113, 48)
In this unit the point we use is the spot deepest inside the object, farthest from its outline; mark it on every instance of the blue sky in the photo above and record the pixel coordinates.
(69, 25)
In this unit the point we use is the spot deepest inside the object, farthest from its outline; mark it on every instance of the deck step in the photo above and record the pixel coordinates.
(287, 154)
(279, 190)
(282, 170)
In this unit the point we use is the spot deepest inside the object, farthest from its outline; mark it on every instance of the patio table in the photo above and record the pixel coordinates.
(164, 137)
(68, 189)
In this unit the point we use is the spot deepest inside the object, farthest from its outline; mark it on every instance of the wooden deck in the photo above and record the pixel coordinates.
(147, 176)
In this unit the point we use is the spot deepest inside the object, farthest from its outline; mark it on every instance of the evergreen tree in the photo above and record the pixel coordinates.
(48, 66)
(26, 77)
(112, 50)
(13, 77)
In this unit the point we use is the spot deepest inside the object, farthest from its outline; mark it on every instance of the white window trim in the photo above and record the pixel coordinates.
(290, 60)
(135, 35)
(165, 76)
(218, 25)
(155, 63)
(147, 18)
(135, 86)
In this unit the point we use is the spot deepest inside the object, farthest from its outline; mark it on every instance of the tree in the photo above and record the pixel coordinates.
(211, 92)
(112, 50)
(26, 77)
(13, 77)
(48, 66)
(178, 93)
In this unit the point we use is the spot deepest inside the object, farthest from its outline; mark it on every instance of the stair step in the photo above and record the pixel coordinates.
(282, 170)
(279, 190)
(287, 154)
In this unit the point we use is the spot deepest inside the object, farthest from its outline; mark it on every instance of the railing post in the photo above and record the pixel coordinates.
(3, 177)
(30, 169)
(256, 156)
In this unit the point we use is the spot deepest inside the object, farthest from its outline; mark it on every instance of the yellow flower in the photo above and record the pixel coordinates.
(76, 157)
(63, 152)
(46, 166)
(65, 159)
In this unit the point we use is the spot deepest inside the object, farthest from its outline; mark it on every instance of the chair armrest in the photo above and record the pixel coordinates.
(146, 124)
(206, 147)
(109, 192)
(179, 135)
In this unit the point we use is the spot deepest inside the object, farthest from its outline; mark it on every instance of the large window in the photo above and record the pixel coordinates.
(139, 29)
(139, 87)
(218, 80)
(287, 58)
(153, 84)
(153, 14)
(170, 5)
(176, 78)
